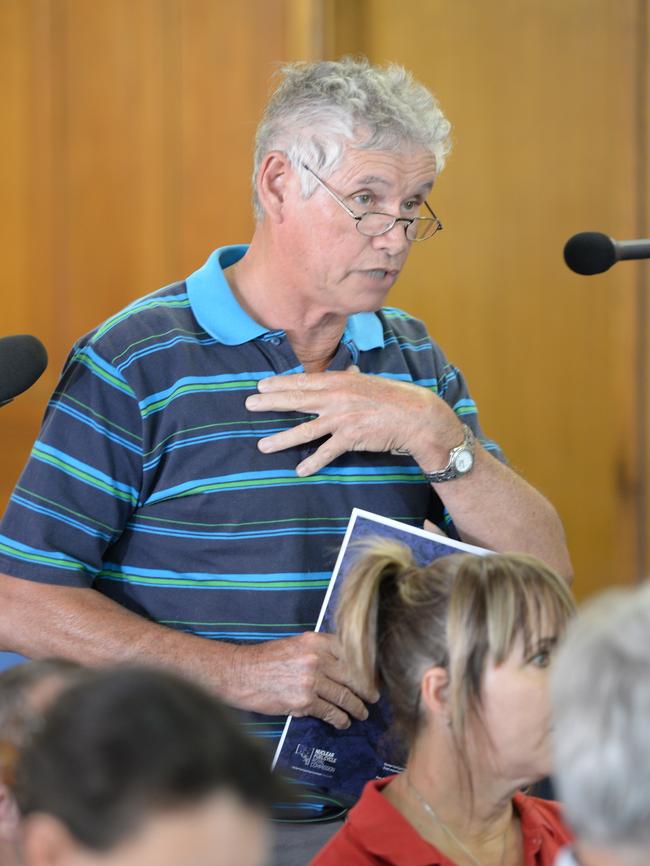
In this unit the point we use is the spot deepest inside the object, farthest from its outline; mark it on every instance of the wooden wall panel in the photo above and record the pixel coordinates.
(124, 160)
(542, 97)
(28, 181)
(643, 284)
(228, 53)
(114, 191)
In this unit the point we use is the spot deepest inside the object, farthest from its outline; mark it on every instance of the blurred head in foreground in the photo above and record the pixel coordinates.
(25, 692)
(138, 767)
(601, 701)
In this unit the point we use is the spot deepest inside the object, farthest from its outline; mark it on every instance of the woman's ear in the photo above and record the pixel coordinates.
(434, 689)
(47, 842)
(272, 184)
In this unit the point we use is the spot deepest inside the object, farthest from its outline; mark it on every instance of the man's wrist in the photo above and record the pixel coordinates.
(459, 461)
(431, 449)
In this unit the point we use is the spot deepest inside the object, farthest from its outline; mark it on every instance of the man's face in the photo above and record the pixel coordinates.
(339, 270)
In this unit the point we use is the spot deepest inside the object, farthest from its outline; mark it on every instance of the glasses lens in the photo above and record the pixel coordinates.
(421, 229)
(373, 224)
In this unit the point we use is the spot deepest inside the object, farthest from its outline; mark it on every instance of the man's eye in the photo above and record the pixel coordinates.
(363, 199)
(411, 205)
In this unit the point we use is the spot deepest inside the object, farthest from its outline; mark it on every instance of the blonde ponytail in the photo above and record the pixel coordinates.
(375, 573)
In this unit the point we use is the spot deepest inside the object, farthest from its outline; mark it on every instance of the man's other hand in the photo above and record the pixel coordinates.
(301, 676)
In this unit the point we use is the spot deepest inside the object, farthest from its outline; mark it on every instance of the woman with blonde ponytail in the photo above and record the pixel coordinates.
(462, 649)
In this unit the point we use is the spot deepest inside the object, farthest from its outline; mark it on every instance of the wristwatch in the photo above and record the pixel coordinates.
(461, 460)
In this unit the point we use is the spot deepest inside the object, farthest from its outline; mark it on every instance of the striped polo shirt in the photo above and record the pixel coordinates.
(146, 483)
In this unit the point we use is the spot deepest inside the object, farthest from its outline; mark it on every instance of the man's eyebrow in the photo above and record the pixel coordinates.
(370, 179)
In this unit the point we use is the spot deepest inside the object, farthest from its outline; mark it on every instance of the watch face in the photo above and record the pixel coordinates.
(464, 461)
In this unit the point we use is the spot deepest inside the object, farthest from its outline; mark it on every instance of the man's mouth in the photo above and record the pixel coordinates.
(381, 273)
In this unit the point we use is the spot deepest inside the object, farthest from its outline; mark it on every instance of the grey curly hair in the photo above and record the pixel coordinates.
(320, 107)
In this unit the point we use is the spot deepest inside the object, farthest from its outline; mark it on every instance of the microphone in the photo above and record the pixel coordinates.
(22, 360)
(593, 252)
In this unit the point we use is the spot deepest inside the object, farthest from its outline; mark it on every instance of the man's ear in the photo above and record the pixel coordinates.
(272, 184)
(9, 816)
(434, 689)
(46, 841)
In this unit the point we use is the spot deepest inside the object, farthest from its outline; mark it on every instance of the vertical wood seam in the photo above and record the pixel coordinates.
(641, 290)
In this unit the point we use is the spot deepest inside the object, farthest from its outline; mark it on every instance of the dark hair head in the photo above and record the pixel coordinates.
(17, 682)
(130, 742)
(25, 691)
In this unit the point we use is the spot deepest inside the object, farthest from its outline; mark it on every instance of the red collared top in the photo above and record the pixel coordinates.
(376, 834)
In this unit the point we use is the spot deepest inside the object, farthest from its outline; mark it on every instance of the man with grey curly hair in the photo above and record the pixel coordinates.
(202, 455)
(320, 109)
(600, 687)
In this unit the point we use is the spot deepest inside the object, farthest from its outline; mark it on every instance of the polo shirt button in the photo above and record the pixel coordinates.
(275, 341)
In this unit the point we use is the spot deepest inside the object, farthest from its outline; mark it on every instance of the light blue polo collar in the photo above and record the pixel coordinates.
(217, 311)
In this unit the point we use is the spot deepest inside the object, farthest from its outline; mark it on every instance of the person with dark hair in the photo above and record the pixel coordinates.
(462, 649)
(25, 692)
(139, 767)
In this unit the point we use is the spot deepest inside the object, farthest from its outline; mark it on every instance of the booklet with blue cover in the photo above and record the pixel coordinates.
(311, 751)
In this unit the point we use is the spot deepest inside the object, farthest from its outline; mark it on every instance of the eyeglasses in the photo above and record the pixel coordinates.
(372, 224)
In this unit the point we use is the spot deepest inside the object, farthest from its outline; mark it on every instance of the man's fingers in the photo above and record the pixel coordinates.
(321, 709)
(368, 694)
(322, 456)
(432, 527)
(340, 696)
(287, 400)
(365, 692)
(299, 381)
(305, 675)
(299, 435)
(302, 382)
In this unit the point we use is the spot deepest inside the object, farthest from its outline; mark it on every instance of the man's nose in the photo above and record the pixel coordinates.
(394, 241)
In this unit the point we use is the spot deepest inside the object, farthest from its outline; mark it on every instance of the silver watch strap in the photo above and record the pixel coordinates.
(450, 471)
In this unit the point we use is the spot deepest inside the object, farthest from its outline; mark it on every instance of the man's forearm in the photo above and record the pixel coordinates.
(494, 507)
(299, 675)
(39, 620)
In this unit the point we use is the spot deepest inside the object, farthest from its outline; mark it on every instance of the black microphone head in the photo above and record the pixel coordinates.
(22, 360)
(590, 253)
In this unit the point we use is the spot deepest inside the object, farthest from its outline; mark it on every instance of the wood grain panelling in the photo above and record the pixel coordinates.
(28, 230)
(542, 97)
(228, 53)
(643, 286)
(125, 159)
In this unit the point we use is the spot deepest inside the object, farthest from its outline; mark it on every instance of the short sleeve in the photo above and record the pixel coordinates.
(82, 480)
(453, 389)
(451, 386)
